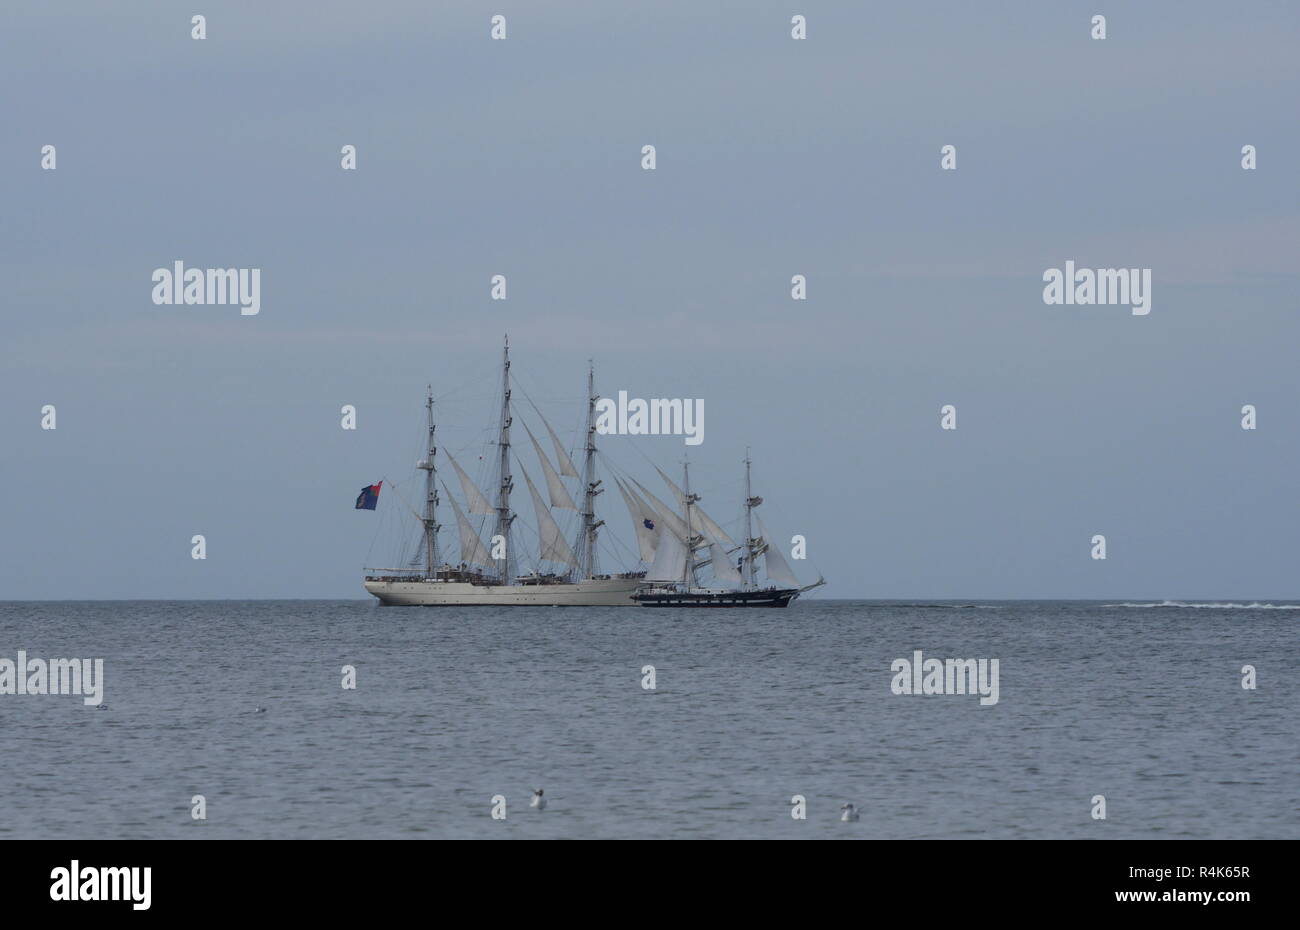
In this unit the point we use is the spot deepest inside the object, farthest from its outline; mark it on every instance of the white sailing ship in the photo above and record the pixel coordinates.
(487, 575)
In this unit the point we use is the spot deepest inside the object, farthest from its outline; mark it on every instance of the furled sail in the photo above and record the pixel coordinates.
(473, 496)
(566, 463)
(698, 516)
(670, 559)
(554, 548)
(471, 547)
(559, 496)
(778, 569)
(646, 536)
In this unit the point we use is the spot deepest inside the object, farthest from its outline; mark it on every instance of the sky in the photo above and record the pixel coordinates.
(775, 157)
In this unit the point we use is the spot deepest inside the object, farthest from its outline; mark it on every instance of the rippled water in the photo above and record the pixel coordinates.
(1143, 705)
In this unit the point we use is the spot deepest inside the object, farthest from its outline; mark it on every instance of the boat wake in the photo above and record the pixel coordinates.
(1212, 606)
(952, 606)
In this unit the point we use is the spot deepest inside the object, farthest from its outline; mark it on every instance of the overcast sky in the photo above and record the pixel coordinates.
(775, 157)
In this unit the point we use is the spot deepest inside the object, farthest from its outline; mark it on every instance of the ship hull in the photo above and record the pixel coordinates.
(597, 592)
(772, 598)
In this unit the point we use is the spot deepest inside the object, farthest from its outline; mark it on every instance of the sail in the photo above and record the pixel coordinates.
(559, 496)
(647, 511)
(666, 514)
(698, 516)
(471, 547)
(724, 570)
(417, 560)
(706, 522)
(778, 569)
(670, 559)
(554, 548)
(473, 496)
(672, 486)
(650, 520)
(566, 463)
(646, 538)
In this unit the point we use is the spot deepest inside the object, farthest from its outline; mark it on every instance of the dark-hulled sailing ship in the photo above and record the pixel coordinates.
(671, 580)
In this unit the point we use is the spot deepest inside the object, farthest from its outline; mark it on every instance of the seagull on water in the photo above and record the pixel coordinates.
(538, 801)
(850, 814)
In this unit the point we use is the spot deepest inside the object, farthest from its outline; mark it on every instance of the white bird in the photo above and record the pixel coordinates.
(850, 814)
(538, 801)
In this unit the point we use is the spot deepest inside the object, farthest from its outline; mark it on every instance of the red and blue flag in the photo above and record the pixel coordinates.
(368, 499)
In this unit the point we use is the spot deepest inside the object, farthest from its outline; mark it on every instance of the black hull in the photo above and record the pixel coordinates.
(780, 598)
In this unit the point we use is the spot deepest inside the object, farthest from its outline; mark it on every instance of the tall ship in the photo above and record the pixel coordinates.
(673, 580)
(487, 575)
(568, 574)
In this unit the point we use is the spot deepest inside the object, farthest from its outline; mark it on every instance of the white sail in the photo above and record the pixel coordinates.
(650, 519)
(705, 523)
(698, 516)
(554, 486)
(666, 514)
(471, 547)
(724, 570)
(648, 512)
(670, 559)
(473, 496)
(678, 493)
(646, 538)
(778, 569)
(554, 548)
(566, 463)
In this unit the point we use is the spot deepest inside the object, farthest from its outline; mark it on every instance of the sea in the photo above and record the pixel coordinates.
(1112, 720)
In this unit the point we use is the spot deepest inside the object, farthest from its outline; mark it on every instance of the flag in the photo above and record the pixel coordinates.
(368, 499)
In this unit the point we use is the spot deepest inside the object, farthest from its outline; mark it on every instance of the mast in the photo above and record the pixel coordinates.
(688, 571)
(430, 468)
(747, 575)
(587, 542)
(504, 518)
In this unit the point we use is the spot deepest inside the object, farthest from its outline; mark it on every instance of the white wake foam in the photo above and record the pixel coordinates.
(1213, 606)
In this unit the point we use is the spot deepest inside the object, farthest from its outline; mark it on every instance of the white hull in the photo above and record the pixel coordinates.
(599, 592)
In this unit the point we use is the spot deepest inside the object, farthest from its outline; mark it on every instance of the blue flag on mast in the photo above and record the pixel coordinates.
(368, 499)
